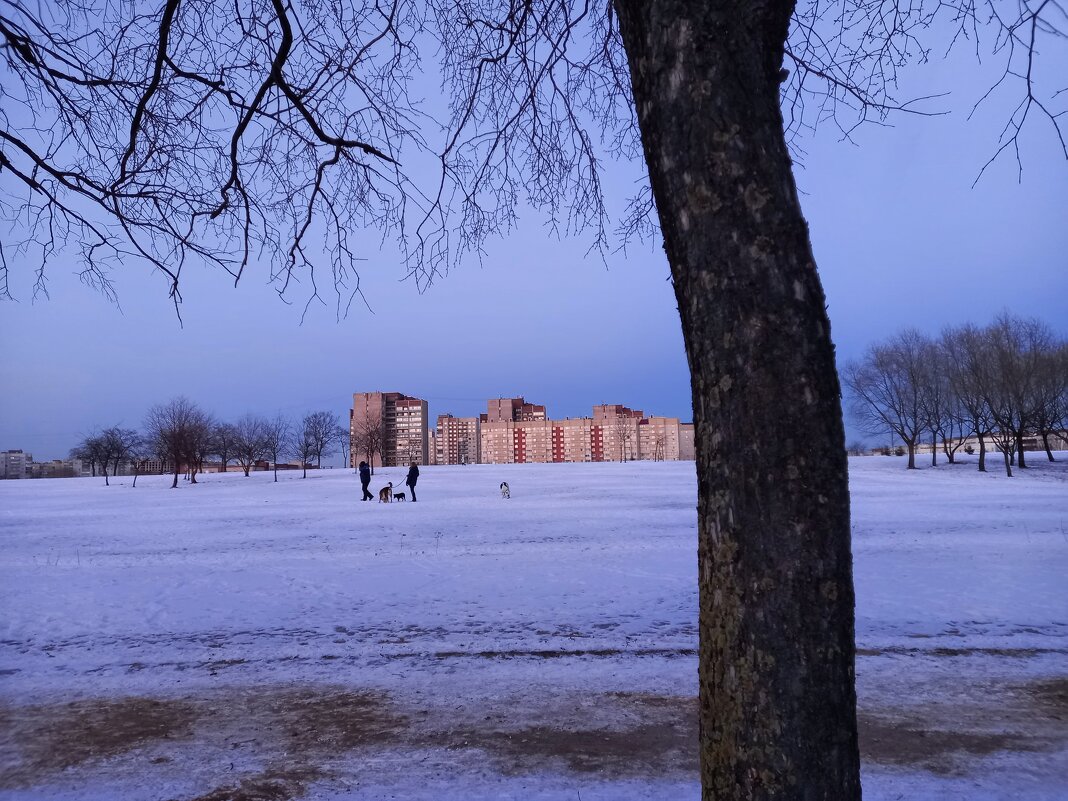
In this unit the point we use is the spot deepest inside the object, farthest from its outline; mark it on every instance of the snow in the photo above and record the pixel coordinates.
(288, 638)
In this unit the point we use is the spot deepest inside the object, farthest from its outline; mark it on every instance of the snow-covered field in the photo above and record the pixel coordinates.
(243, 639)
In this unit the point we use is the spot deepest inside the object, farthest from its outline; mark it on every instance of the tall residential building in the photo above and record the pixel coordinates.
(392, 425)
(458, 440)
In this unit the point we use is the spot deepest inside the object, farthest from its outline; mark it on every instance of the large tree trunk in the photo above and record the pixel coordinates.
(777, 691)
(982, 454)
(911, 445)
(1020, 451)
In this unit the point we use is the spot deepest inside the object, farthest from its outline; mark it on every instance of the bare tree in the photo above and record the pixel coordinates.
(1051, 391)
(276, 438)
(89, 451)
(172, 429)
(887, 388)
(1016, 349)
(965, 361)
(369, 439)
(302, 445)
(345, 443)
(623, 430)
(248, 448)
(122, 444)
(659, 446)
(324, 430)
(142, 138)
(200, 442)
(224, 444)
(140, 452)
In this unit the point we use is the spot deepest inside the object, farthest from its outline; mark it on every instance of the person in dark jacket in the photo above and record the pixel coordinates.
(365, 479)
(413, 476)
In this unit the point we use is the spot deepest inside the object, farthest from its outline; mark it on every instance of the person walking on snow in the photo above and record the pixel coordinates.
(365, 479)
(413, 476)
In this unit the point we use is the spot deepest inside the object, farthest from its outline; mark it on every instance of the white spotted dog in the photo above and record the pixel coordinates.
(399, 496)
(506, 492)
(385, 495)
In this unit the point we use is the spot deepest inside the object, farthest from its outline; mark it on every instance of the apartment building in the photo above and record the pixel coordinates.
(458, 440)
(659, 438)
(15, 464)
(514, 409)
(511, 431)
(687, 451)
(619, 432)
(389, 429)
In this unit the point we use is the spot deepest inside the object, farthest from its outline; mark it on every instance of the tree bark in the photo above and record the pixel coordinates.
(1045, 444)
(912, 454)
(982, 454)
(776, 676)
(1020, 451)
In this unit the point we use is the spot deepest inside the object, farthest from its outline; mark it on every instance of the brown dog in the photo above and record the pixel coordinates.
(385, 495)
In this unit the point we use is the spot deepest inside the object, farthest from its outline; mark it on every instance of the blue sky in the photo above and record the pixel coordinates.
(900, 235)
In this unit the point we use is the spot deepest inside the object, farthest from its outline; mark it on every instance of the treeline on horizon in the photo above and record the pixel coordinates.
(181, 434)
(1002, 382)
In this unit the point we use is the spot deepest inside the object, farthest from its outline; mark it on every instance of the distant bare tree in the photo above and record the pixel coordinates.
(935, 395)
(224, 443)
(302, 446)
(324, 431)
(140, 452)
(199, 443)
(965, 349)
(1015, 351)
(370, 438)
(887, 389)
(88, 451)
(623, 429)
(1051, 393)
(121, 444)
(248, 448)
(345, 442)
(659, 446)
(169, 427)
(856, 448)
(276, 438)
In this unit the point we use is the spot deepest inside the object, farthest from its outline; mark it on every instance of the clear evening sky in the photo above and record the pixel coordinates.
(901, 239)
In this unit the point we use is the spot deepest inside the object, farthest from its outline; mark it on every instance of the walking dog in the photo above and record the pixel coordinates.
(399, 496)
(385, 495)
(506, 492)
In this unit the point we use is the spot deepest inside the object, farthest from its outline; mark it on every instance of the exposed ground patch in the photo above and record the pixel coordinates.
(913, 744)
(315, 733)
(38, 740)
(652, 735)
(272, 785)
